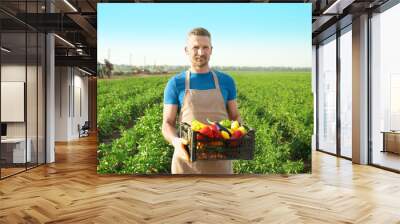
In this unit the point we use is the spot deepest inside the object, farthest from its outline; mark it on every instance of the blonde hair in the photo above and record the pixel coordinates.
(200, 31)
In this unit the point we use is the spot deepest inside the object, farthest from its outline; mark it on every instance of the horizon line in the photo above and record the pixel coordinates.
(251, 66)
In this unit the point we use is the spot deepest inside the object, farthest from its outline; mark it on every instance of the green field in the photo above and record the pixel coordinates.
(278, 105)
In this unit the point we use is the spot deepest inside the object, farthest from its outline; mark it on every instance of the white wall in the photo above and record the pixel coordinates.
(69, 85)
(34, 124)
(85, 99)
(62, 80)
(15, 72)
(81, 94)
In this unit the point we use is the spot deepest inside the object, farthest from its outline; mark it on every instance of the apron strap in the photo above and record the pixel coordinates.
(215, 79)
(187, 80)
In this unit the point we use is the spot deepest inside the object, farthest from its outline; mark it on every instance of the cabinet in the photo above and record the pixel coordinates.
(391, 141)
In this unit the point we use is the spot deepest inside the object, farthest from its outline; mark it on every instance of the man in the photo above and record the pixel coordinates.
(198, 93)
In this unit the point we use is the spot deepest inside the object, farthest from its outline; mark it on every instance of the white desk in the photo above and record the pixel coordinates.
(19, 149)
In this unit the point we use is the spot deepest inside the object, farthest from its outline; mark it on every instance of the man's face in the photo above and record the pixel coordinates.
(199, 50)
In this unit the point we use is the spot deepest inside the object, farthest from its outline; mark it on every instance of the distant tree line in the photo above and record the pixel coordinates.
(108, 69)
(105, 69)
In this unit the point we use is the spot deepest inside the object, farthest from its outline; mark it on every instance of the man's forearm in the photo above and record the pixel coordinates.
(169, 132)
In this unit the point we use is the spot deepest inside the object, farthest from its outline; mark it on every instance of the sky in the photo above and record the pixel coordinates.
(246, 34)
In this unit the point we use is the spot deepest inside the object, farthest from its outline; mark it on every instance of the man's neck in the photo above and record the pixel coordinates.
(204, 69)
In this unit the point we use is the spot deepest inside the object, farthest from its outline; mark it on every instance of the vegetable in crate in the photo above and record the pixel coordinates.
(207, 131)
(235, 125)
(215, 132)
(221, 129)
(218, 142)
(243, 130)
(225, 123)
(197, 125)
(225, 135)
(236, 134)
(224, 129)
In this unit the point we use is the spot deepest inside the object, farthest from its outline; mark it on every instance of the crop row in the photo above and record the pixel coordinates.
(120, 102)
(280, 108)
(140, 149)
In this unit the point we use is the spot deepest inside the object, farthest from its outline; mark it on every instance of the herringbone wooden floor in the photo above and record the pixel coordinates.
(70, 191)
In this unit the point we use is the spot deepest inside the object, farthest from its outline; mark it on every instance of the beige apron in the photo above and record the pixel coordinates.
(200, 105)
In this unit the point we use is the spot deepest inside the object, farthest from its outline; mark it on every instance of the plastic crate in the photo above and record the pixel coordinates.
(218, 149)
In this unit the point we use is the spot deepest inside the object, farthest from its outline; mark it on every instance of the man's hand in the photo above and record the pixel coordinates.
(179, 144)
(233, 111)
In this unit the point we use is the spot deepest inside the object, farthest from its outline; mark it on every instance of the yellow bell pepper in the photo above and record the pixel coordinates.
(197, 125)
(242, 129)
(235, 125)
(225, 135)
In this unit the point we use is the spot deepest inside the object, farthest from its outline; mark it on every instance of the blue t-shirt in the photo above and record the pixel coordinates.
(175, 89)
